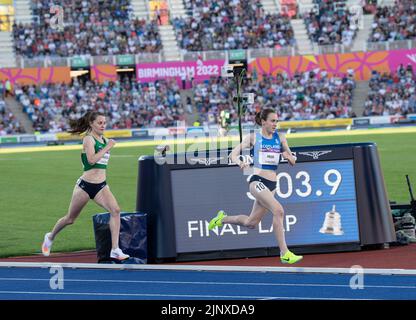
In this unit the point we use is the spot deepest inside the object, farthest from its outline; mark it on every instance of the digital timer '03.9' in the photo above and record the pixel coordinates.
(285, 183)
(314, 181)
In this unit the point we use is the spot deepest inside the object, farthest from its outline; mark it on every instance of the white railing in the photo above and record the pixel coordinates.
(250, 54)
(331, 49)
(36, 62)
(368, 46)
(391, 45)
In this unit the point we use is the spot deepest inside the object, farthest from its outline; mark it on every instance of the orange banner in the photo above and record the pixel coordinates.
(361, 63)
(102, 73)
(30, 76)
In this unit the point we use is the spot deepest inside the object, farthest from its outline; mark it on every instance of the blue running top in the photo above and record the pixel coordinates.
(267, 151)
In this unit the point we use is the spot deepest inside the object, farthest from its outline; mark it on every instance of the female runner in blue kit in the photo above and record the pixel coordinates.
(268, 145)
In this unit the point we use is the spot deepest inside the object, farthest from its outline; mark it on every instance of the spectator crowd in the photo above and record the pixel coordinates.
(392, 93)
(331, 22)
(305, 96)
(8, 122)
(90, 27)
(230, 24)
(127, 104)
(394, 23)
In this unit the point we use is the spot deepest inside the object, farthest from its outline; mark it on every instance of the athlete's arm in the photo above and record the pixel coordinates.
(245, 144)
(287, 154)
(93, 157)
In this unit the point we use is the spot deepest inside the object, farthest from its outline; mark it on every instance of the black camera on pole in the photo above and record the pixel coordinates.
(245, 99)
(237, 69)
(234, 70)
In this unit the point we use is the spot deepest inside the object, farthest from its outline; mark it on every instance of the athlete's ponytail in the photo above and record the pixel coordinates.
(263, 114)
(83, 124)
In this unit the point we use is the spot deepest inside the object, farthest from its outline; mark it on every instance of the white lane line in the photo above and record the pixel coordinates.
(213, 283)
(166, 295)
(311, 298)
(159, 267)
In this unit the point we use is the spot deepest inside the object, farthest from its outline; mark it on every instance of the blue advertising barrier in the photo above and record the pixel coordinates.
(132, 241)
(334, 200)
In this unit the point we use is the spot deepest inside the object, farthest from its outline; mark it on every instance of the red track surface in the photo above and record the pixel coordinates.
(401, 257)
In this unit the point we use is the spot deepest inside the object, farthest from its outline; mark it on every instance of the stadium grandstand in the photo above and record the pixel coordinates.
(231, 132)
(83, 37)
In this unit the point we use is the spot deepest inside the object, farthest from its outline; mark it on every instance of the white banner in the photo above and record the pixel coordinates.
(380, 120)
(46, 137)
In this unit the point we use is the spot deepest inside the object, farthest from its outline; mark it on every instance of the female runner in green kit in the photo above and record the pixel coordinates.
(92, 184)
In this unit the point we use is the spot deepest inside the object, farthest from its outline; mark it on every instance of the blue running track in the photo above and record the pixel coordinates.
(22, 283)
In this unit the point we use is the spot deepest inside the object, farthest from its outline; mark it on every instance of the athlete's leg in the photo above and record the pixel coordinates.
(251, 221)
(79, 199)
(106, 199)
(267, 200)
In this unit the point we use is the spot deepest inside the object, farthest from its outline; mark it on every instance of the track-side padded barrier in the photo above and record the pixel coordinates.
(132, 241)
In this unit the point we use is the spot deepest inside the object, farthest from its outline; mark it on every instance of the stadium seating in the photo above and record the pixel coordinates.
(134, 105)
(8, 122)
(392, 94)
(370, 7)
(91, 28)
(332, 24)
(101, 27)
(394, 23)
(306, 96)
(211, 97)
(288, 7)
(231, 25)
(127, 104)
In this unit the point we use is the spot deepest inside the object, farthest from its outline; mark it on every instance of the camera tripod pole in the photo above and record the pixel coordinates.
(412, 199)
(239, 109)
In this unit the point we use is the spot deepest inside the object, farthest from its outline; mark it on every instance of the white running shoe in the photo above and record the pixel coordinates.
(46, 245)
(118, 254)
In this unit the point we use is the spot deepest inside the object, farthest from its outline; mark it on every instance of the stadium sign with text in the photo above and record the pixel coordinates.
(198, 70)
(125, 60)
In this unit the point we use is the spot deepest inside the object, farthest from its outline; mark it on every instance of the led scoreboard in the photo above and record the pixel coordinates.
(334, 199)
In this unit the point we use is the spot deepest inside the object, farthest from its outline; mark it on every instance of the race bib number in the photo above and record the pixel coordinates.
(269, 158)
(104, 159)
(260, 187)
